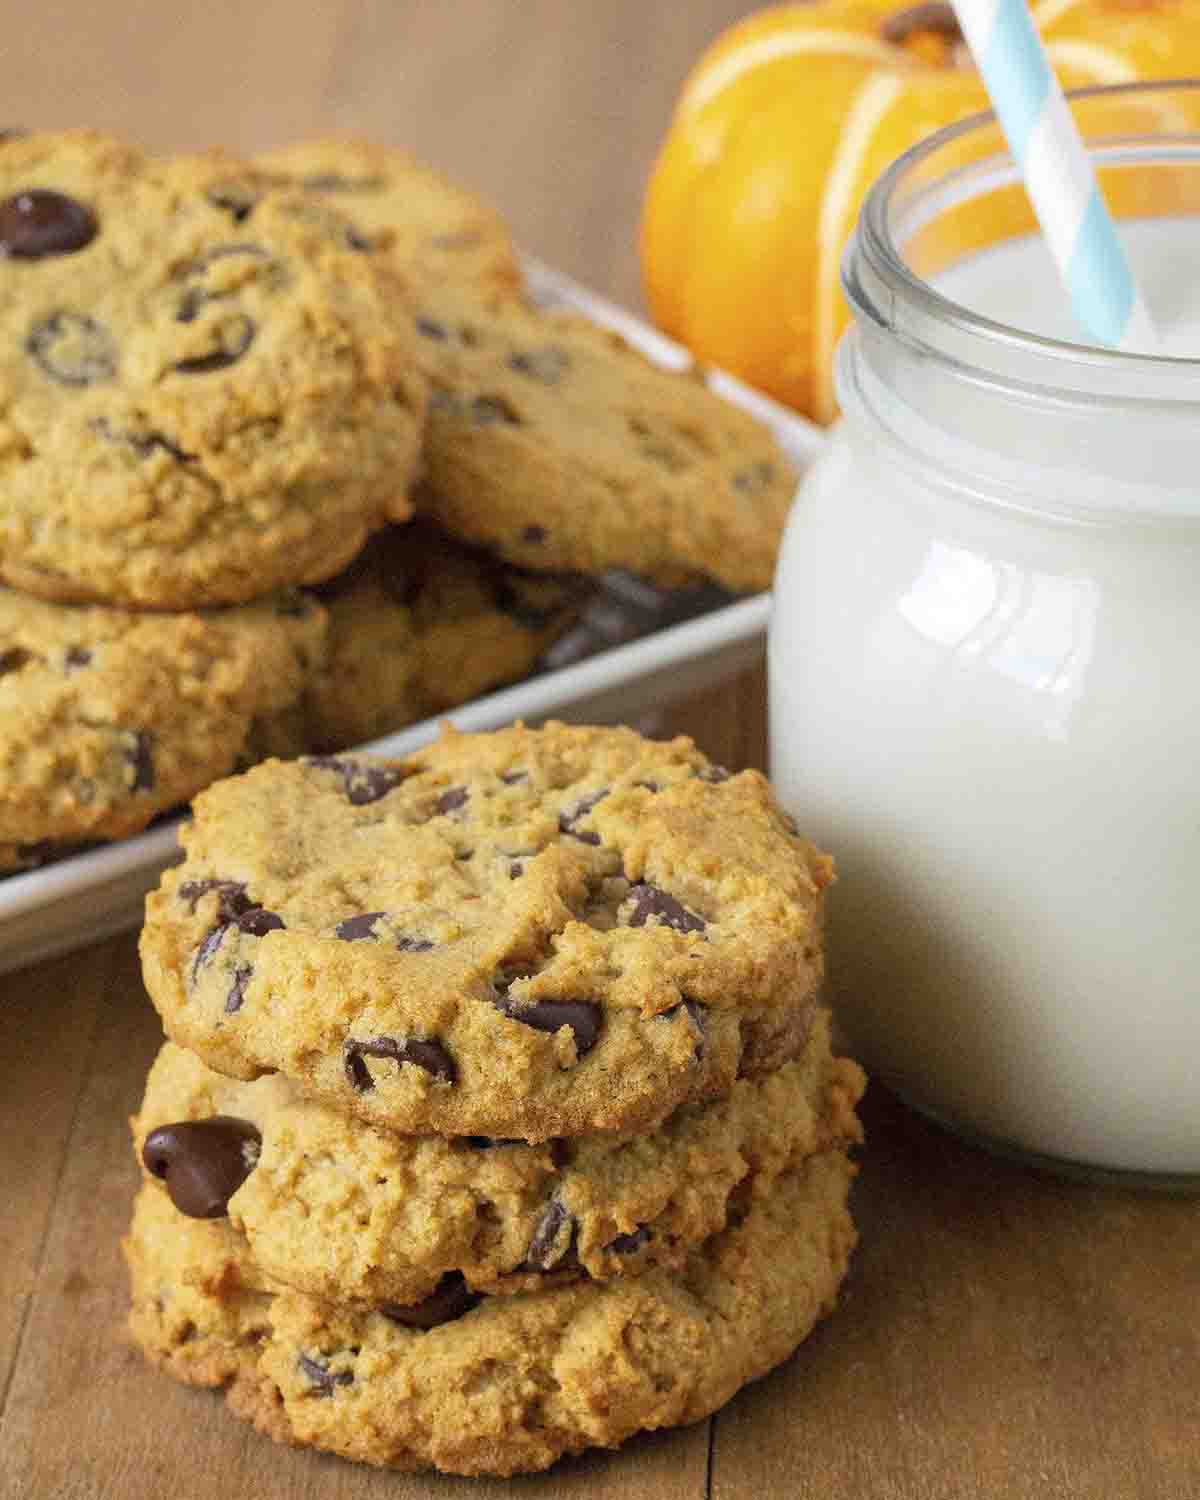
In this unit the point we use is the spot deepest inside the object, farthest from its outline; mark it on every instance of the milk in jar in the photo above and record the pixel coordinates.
(985, 680)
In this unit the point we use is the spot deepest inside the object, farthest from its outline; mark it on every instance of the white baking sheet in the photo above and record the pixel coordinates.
(87, 896)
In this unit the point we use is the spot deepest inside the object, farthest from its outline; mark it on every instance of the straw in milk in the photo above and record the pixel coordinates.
(1057, 171)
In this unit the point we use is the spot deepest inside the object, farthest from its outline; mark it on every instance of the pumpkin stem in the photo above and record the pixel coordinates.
(932, 21)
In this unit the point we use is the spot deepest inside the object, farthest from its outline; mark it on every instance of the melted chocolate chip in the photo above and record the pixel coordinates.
(516, 870)
(582, 1016)
(422, 1052)
(140, 756)
(143, 444)
(414, 944)
(549, 1247)
(236, 335)
(650, 901)
(547, 365)
(323, 1378)
(236, 998)
(429, 328)
(363, 783)
(626, 1244)
(231, 896)
(39, 223)
(209, 946)
(76, 657)
(511, 778)
(452, 799)
(567, 820)
(450, 1299)
(694, 1013)
(14, 659)
(354, 929)
(257, 922)
(534, 535)
(203, 1162)
(72, 350)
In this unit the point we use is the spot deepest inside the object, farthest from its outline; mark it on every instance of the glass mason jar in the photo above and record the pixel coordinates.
(985, 671)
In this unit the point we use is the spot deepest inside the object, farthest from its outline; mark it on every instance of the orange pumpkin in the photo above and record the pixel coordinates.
(780, 130)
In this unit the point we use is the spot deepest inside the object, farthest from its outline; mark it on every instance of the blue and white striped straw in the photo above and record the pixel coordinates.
(1057, 171)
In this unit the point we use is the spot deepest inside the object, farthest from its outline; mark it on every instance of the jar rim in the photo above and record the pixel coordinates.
(882, 287)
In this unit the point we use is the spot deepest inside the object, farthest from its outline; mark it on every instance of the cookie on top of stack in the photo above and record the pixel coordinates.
(218, 379)
(499, 1117)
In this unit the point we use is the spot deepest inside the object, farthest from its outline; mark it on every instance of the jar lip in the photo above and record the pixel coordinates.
(881, 285)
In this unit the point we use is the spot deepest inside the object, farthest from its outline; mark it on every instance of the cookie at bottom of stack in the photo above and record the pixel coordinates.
(506, 1384)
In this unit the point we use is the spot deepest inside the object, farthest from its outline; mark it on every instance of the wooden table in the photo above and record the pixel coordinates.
(1001, 1335)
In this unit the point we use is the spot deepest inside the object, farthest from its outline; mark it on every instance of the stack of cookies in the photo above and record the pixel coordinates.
(499, 1117)
(219, 380)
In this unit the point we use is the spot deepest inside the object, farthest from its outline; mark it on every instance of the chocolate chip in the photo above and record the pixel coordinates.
(14, 659)
(626, 1244)
(549, 1247)
(236, 335)
(203, 1162)
(323, 1378)
(714, 774)
(650, 901)
(72, 349)
(238, 199)
(422, 1052)
(582, 1016)
(76, 657)
(516, 870)
(452, 799)
(568, 820)
(337, 182)
(648, 786)
(755, 479)
(515, 592)
(235, 999)
(354, 929)
(487, 1142)
(488, 410)
(140, 756)
(932, 16)
(39, 223)
(694, 1013)
(429, 328)
(450, 1299)
(231, 896)
(546, 365)
(511, 778)
(534, 535)
(363, 783)
(414, 945)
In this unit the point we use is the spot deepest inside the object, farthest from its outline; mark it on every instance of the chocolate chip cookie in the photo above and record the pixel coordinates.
(109, 717)
(553, 442)
(420, 623)
(352, 1213)
(530, 933)
(434, 230)
(206, 391)
(493, 1385)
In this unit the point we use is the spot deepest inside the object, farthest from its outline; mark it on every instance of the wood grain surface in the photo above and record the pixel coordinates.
(1001, 1335)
